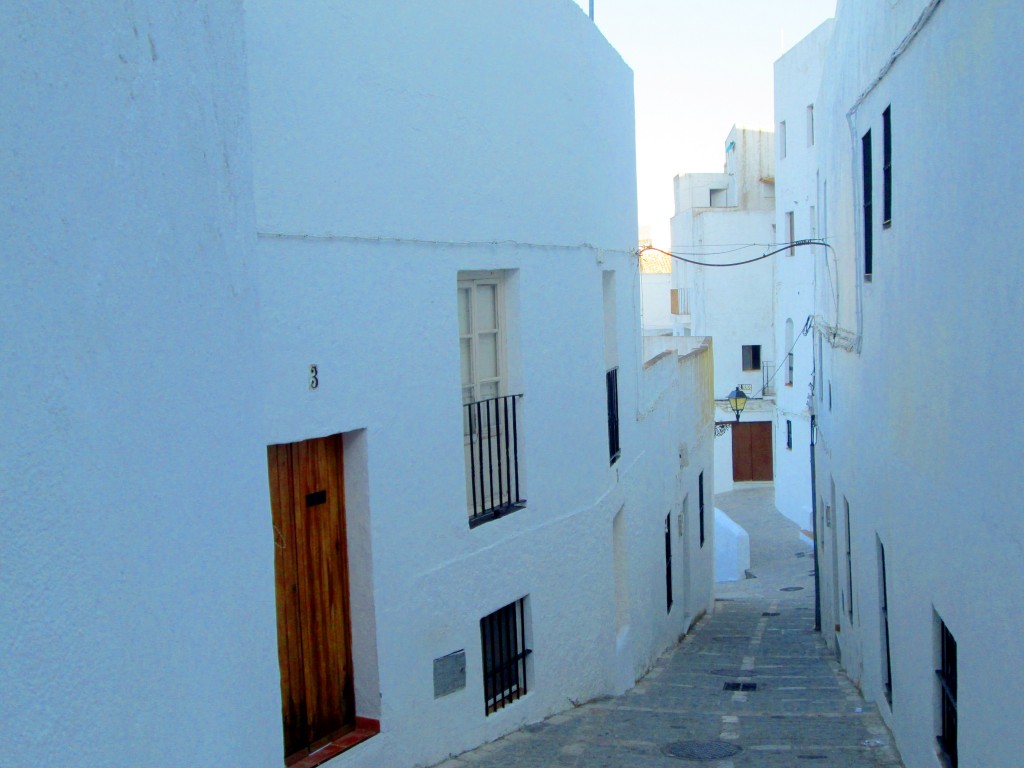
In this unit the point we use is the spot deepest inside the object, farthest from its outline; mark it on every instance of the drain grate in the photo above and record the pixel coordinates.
(739, 687)
(812, 757)
(769, 613)
(790, 589)
(701, 750)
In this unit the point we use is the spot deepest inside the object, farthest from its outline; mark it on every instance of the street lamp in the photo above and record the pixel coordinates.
(737, 401)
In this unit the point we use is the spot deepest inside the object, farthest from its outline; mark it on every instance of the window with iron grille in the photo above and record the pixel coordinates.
(491, 418)
(668, 563)
(611, 380)
(883, 603)
(504, 653)
(947, 693)
(849, 563)
(865, 146)
(789, 434)
(887, 168)
(700, 502)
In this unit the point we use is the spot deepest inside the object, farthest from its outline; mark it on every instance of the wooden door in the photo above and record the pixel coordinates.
(752, 451)
(313, 626)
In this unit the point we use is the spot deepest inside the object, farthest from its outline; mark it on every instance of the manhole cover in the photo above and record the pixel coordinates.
(790, 589)
(701, 750)
(734, 672)
(739, 687)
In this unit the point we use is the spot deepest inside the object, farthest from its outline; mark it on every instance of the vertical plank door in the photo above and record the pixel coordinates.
(313, 620)
(752, 451)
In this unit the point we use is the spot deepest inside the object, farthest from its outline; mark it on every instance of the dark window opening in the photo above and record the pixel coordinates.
(883, 602)
(751, 357)
(887, 168)
(700, 498)
(789, 434)
(947, 693)
(611, 380)
(668, 563)
(849, 563)
(504, 651)
(868, 221)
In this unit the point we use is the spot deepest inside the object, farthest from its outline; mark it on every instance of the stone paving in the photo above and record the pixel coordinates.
(794, 706)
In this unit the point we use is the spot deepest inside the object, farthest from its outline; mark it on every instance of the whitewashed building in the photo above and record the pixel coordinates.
(918, 480)
(137, 568)
(722, 218)
(333, 436)
(797, 78)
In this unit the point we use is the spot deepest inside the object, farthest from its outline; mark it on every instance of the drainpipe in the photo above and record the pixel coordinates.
(814, 529)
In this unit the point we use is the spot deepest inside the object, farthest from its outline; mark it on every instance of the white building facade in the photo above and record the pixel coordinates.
(917, 458)
(797, 78)
(352, 454)
(138, 575)
(722, 218)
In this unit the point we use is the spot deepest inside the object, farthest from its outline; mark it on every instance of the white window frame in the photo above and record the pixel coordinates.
(472, 281)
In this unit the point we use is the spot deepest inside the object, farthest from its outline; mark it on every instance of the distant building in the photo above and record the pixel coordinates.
(920, 538)
(721, 218)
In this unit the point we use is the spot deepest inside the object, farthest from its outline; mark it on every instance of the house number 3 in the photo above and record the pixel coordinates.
(314, 377)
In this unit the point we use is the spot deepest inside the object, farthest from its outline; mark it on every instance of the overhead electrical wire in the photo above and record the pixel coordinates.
(784, 247)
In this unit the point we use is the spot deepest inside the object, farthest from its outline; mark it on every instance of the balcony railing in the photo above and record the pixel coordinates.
(611, 379)
(492, 458)
(768, 377)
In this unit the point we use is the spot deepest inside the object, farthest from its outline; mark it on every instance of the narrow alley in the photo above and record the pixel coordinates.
(751, 685)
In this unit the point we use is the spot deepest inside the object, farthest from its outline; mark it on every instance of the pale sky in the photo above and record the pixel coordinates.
(700, 67)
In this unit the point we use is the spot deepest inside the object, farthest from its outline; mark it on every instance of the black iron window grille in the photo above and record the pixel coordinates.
(789, 434)
(611, 380)
(668, 563)
(884, 608)
(493, 446)
(789, 370)
(947, 694)
(700, 498)
(503, 642)
(887, 167)
(869, 234)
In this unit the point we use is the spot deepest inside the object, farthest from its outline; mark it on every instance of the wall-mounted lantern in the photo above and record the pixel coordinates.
(737, 401)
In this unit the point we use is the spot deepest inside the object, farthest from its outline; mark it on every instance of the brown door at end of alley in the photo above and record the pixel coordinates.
(310, 564)
(751, 451)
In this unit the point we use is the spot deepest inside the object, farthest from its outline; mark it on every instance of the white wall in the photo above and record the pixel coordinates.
(797, 79)
(657, 302)
(913, 439)
(381, 172)
(137, 554)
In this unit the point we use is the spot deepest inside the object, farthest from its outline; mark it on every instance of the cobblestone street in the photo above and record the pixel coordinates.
(751, 685)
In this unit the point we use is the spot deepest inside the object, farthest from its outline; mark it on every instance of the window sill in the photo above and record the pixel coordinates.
(494, 514)
(365, 729)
